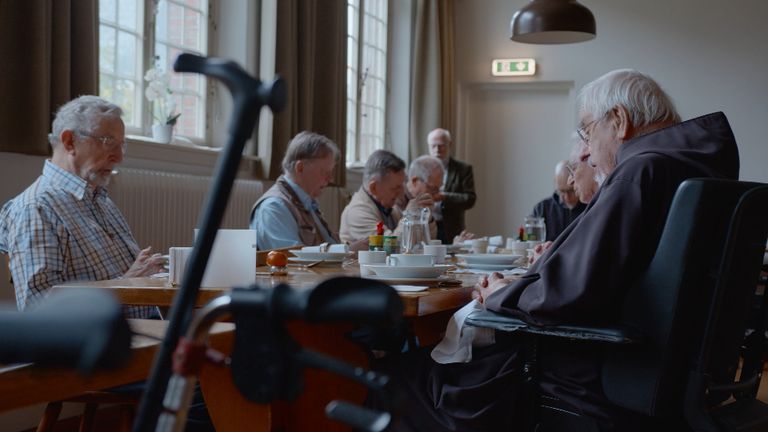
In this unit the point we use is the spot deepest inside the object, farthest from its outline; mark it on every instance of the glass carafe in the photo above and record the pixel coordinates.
(535, 229)
(415, 231)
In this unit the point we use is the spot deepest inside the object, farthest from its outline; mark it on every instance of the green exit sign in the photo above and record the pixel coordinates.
(513, 67)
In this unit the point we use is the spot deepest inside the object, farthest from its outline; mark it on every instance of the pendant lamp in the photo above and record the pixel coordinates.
(553, 22)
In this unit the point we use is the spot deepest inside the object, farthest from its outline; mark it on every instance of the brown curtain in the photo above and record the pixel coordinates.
(432, 75)
(311, 57)
(49, 52)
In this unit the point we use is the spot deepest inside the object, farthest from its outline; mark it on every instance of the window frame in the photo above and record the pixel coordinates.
(147, 14)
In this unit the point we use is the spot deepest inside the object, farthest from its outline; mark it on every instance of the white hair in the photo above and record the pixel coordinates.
(642, 97)
(424, 166)
(82, 114)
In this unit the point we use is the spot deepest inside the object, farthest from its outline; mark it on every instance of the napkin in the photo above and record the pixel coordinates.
(496, 240)
(322, 247)
(456, 346)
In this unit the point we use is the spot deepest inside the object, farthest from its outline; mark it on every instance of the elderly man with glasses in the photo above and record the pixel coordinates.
(635, 140)
(563, 207)
(64, 226)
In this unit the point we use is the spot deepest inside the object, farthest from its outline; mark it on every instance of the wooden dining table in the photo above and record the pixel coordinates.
(427, 313)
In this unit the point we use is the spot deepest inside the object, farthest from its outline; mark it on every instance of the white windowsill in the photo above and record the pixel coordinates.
(145, 153)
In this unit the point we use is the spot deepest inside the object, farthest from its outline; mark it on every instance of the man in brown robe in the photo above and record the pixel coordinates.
(641, 152)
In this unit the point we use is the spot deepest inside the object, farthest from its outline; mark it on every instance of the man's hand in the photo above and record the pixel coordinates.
(538, 251)
(488, 284)
(146, 264)
(423, 200)
(359, 245)
(465, 235)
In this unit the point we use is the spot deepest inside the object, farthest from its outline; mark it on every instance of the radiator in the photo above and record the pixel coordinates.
(163, 208)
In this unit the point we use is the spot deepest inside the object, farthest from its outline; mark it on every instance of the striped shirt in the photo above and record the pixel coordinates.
(63, 229)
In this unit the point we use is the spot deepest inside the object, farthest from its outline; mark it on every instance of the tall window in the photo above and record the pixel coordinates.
(366, 77)
(137, 35)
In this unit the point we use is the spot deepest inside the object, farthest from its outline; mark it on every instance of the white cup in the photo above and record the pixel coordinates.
(177, 263)
(480, 246)
(517, 247)
(439, 251)
(436, 242)
(370, 257)
(410, 260)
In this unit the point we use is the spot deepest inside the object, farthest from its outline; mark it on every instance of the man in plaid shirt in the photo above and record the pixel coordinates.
(64, 227)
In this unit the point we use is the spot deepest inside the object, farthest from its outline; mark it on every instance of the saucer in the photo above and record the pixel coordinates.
(389, 272)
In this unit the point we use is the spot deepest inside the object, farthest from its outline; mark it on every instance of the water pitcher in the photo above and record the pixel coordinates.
(415, 231)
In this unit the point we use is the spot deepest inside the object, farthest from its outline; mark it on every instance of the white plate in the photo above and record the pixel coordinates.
(497, 259)
(494, 267)
(426, 281)
(389, 272)
(410, 288)
(318, 256)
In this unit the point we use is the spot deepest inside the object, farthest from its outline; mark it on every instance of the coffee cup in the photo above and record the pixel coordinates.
(439, 251)
(177, 263)
(370, 257)
(410, 260)
(480, 246)
(435, 242)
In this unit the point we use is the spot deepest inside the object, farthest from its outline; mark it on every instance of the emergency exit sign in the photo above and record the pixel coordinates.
(513, 67)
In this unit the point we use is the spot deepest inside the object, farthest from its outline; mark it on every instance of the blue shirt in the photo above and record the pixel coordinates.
(275, 225)
(63, 229)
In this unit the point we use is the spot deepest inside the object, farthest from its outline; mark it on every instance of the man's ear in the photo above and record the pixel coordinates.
(373, 186)
(623, 123)
(67, 140)
(298, 168)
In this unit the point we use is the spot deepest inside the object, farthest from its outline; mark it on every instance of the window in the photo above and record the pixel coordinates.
(135, 36)
(366, 77)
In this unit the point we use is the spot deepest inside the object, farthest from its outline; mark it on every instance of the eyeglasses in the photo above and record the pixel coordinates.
(583, 131)
(109, 143)
(571, 169)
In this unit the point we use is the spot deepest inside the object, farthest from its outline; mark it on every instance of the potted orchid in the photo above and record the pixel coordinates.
(164, 110)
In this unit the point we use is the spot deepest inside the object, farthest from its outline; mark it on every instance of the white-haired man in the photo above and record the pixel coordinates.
(636, 142)
(64, 226)
(458, 191)
(287, 214)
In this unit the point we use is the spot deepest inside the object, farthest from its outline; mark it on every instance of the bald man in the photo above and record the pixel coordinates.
(563, 206)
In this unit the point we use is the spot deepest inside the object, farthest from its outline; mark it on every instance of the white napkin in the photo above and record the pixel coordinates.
(339, 248)
(456, 346)
(322, 247)
(496, 241)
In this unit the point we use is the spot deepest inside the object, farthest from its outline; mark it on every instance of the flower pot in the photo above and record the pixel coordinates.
(162, 132)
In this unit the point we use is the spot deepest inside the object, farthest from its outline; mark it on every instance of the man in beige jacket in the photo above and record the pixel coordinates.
(384, 186)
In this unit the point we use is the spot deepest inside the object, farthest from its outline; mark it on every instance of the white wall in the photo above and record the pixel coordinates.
(709, 55)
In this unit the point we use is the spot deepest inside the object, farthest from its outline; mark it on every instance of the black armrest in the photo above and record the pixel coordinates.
(610, 334)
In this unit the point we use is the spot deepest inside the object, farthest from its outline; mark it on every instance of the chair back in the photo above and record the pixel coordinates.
(699, 253)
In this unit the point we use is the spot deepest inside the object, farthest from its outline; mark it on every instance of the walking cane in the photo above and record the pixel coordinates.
(249, 96)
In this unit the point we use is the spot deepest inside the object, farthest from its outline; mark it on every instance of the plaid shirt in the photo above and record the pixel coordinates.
(62, 229)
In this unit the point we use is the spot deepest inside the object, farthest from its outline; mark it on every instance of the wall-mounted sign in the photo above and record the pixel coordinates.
(513, 67)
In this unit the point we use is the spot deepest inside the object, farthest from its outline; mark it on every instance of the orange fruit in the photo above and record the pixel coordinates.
(277, 259)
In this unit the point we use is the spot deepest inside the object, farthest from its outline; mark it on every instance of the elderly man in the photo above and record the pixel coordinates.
(458, 192)
(287, 214)
(64, 226)
(563, 207)
(636, 142)
(582, 179)
(383, 188)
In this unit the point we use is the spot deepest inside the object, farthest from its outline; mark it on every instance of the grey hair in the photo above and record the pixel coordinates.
(423, 166)
(308, 145)
(440, 131)
(81, 114)
(379, 164)
(643, 98)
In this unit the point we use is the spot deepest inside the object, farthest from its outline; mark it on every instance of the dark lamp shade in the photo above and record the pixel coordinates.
(553, 22)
